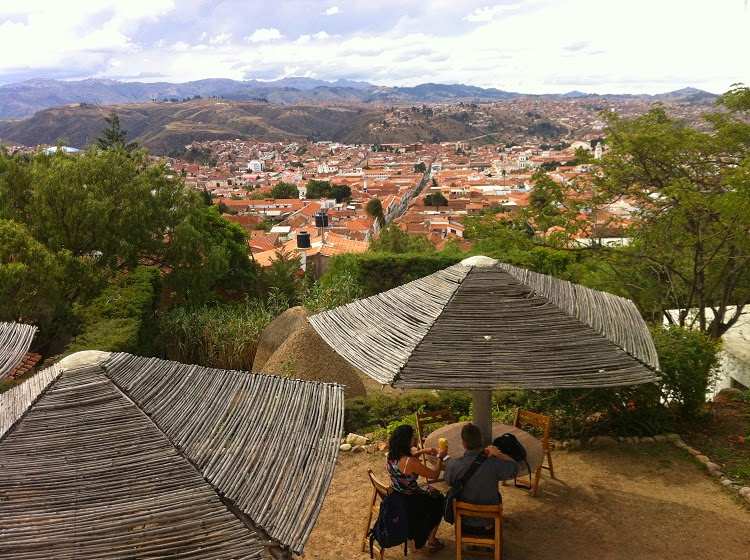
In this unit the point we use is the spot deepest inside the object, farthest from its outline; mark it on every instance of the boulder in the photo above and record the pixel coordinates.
(703, 459)
(356, 439)
(357, 449)
(383, 446)
(298, 351)
(660, 438)
(345, 447)
(647, 439)
(745, 491)
(673, 437)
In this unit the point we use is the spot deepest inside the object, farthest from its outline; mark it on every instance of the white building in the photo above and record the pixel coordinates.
(256, 166)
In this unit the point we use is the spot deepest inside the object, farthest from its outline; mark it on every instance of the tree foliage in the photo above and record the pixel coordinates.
(326, 189)
(436, 199)
(395, 240)
(374, 209)
(285, 190)
(113, 137)
(690, 237)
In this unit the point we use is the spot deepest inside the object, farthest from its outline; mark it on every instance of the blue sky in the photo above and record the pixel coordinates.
(531, 46)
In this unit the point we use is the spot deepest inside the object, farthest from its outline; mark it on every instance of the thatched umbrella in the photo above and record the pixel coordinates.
(15, 339)
(483, 325)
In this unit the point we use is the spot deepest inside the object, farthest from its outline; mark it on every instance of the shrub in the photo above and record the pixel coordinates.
(121, 318)
(688, 360)
(380, 410)
(376, 272)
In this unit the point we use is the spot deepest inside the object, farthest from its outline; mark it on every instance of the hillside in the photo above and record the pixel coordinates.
(23, 99)
(162, 127)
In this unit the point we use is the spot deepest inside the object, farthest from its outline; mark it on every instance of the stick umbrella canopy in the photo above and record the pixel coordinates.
(485, 325)
(15, 340)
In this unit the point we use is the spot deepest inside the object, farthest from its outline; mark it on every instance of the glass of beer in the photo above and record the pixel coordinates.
(443, 444)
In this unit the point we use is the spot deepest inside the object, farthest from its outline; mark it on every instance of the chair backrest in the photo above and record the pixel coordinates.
(495, 539)
(425, 419)
(381, 489)
(534, 419)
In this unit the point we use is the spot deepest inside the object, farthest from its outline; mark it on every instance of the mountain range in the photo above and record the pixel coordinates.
(23, 99)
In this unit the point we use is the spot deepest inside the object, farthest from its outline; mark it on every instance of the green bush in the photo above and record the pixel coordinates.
(688, 360)
(122, 317)
(376, 272)
(379, 410)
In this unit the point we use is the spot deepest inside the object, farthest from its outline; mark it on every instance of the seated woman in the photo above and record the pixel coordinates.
(425, 505)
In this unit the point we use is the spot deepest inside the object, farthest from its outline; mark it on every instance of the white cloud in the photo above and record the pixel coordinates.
(220, 39)
(332, 11)
(489, 13)
(265, 34)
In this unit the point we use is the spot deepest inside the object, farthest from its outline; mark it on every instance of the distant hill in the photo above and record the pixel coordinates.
(162, 127)
(23, 99)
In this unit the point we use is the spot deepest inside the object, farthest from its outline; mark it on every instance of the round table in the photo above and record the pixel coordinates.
(452, 432)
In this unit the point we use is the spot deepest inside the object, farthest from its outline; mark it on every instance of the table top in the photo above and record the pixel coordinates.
(452, 432)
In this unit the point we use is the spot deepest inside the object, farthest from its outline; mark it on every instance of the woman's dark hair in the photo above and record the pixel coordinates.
(399, 443)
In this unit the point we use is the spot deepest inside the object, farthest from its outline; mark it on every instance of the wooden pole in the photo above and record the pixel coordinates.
(482, 401)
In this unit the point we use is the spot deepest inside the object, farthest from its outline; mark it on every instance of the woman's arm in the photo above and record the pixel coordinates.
(427, 450)
(416, 466)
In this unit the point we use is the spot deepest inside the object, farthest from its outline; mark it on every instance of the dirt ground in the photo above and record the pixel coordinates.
(649, 502)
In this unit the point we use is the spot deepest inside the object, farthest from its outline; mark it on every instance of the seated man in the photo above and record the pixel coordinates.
(482, 488)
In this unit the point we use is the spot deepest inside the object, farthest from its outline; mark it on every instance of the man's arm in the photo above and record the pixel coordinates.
(506, 467)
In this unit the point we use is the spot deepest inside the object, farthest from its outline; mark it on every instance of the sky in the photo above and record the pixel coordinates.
(527, 46)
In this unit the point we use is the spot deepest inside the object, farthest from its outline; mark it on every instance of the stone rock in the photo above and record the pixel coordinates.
(745, 491)
(747, 498)
(357, 449)
(356, 439)
(370, 435)
(673, 437)
(629, 440)
(727, 482)
(647, 439)
(714, 468)
(383, 446)
(694, 452)
(554, 444)
(660, 438)
(681, 444)
(345, 447)
(703, 459)
(603, 441)
(636, 440)
(573, 444)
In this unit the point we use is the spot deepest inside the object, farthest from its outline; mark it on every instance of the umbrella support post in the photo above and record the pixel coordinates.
(482, 401)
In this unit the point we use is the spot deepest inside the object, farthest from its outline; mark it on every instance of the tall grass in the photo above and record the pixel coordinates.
(221, 336)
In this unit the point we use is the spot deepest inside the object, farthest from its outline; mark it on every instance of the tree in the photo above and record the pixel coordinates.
(374, 209)
(553, 209)
(436, 199)
(690, 236)
(325, 189)
(420, 167)
(113, 137)
(395, 240)
(285, 190)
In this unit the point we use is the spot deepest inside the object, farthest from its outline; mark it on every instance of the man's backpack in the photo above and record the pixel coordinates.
(392, 526)
(509, 444)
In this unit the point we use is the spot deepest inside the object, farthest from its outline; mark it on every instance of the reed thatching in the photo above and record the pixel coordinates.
(145, 458)
(490, 326)
(267, 444)
(15, 340)
(86, 474)
(276, 333)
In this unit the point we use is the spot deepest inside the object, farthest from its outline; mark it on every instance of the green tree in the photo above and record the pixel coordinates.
(285, 190)
(436, 199)
(374, 209)
(113, 136)
(326, 189)
(420, 167)
(395, 240)
(689, 243)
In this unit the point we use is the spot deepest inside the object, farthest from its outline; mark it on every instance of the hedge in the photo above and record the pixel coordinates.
(122, 317)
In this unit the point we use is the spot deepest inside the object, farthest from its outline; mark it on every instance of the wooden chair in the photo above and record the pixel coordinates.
(379, 491)
(494, 541)
(544, 422)
(426, 419)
